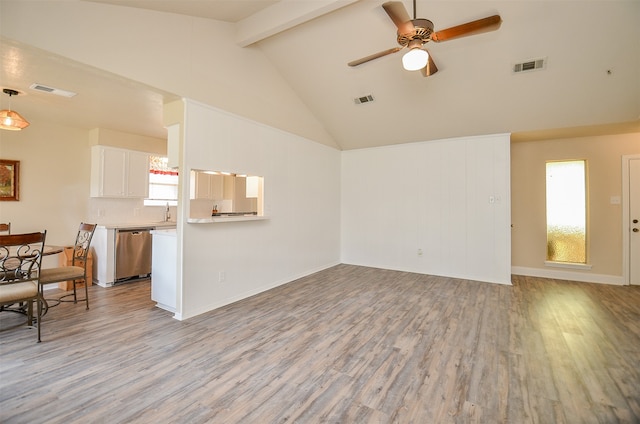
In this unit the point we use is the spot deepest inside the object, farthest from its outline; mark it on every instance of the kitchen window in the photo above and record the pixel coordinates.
(163, 183)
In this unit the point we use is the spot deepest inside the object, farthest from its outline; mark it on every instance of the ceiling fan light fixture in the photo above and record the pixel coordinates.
(10, 119)
(415, 59)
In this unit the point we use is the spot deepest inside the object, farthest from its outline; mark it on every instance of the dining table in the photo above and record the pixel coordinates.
(51, 250)
(47, 250)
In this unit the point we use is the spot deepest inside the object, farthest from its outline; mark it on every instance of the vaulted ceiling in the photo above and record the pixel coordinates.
(591, 76)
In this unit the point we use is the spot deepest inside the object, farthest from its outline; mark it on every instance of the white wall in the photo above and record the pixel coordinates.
(302, 201)
(433, 196)
(55, 162)
(604, 229)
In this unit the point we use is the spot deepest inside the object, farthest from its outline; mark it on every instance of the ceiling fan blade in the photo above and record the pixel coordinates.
(430, 69)
(374, 56)
(490, 23)
(399, 16)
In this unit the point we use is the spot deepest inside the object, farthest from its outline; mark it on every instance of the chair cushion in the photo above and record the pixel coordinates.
(15, 292)
(63, 273)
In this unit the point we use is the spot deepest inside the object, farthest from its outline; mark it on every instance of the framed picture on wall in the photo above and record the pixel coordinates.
(9, 179)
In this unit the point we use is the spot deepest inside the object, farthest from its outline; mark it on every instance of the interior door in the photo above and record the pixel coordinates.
(634, 220)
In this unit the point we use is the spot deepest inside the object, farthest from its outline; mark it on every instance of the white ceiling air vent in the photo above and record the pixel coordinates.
(364, 99)
(530, 65)
(52, 90)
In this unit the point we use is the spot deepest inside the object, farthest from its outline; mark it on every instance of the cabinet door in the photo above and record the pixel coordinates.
(200, 185)
(216, 183)
(240, 201)
(138, 174)
(113, 164)
(206, 186)
(119, 173)
(229, 187)
(163, 262)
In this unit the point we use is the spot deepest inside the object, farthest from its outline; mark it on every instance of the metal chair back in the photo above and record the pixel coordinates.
(20, 267)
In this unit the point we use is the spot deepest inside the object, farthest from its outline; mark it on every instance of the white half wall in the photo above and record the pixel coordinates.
(301, 199)
(439, 207)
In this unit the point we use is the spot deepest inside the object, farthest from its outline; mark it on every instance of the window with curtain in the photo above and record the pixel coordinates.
(567, 211)
(163, 183)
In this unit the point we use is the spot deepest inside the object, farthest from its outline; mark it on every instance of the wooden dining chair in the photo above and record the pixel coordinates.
(20, 267)
(76, 272)
(5, 228)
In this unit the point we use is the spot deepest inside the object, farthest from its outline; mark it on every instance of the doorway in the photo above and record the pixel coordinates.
(631, 218)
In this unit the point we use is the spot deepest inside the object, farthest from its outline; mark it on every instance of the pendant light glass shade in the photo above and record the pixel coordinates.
(9, 119)
(415, 59)
(12, 121)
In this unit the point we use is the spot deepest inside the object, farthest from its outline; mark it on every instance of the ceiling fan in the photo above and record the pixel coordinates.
(415, 33)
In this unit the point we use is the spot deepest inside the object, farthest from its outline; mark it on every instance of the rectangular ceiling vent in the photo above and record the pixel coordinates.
(365, 99)
(52, 90)
(530, 65)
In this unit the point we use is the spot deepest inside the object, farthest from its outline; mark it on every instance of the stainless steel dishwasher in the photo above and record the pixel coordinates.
(133, 254)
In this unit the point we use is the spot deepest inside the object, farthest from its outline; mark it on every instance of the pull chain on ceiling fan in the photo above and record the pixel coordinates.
(415, 33)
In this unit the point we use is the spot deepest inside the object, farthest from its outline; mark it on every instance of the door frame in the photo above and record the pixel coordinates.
(626, 219)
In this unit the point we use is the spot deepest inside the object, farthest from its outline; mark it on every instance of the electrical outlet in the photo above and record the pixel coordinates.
(222, 277)
(419, 252)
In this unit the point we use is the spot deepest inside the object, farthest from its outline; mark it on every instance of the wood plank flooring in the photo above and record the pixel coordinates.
(346, 345)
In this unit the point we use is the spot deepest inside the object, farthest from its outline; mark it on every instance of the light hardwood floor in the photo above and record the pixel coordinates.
(345, 345)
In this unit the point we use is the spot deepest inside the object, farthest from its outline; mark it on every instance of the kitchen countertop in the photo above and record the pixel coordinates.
(165, 232)
(152, 225)
(226, 218)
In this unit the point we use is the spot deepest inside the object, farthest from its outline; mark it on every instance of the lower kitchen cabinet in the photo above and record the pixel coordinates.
(104, 249)
(163, 269)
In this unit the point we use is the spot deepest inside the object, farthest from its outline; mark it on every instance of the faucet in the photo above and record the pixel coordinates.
(167, 214)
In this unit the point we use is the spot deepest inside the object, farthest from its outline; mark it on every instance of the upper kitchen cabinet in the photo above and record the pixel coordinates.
(119, 173)
(205, 185)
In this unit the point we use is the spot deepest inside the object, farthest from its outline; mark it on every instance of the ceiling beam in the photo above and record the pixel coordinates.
(281, 16)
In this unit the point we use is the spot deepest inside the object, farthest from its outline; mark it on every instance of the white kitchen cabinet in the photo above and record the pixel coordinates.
(138, 174)
(163, 272)
(103, 244)
(119, 173)
(240, 201)
(206, 186)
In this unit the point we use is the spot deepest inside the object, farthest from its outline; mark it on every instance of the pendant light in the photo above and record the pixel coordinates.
(9, 119)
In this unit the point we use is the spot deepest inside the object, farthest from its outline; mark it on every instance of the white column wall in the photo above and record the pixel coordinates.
(302, 198)
(448, 198)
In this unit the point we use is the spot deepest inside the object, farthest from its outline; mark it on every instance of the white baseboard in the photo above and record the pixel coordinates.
(568, 275)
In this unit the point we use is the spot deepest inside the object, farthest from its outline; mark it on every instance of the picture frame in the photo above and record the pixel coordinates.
(9, 180)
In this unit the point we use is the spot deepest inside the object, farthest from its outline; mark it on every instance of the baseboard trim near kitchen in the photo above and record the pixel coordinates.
(558, 274)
